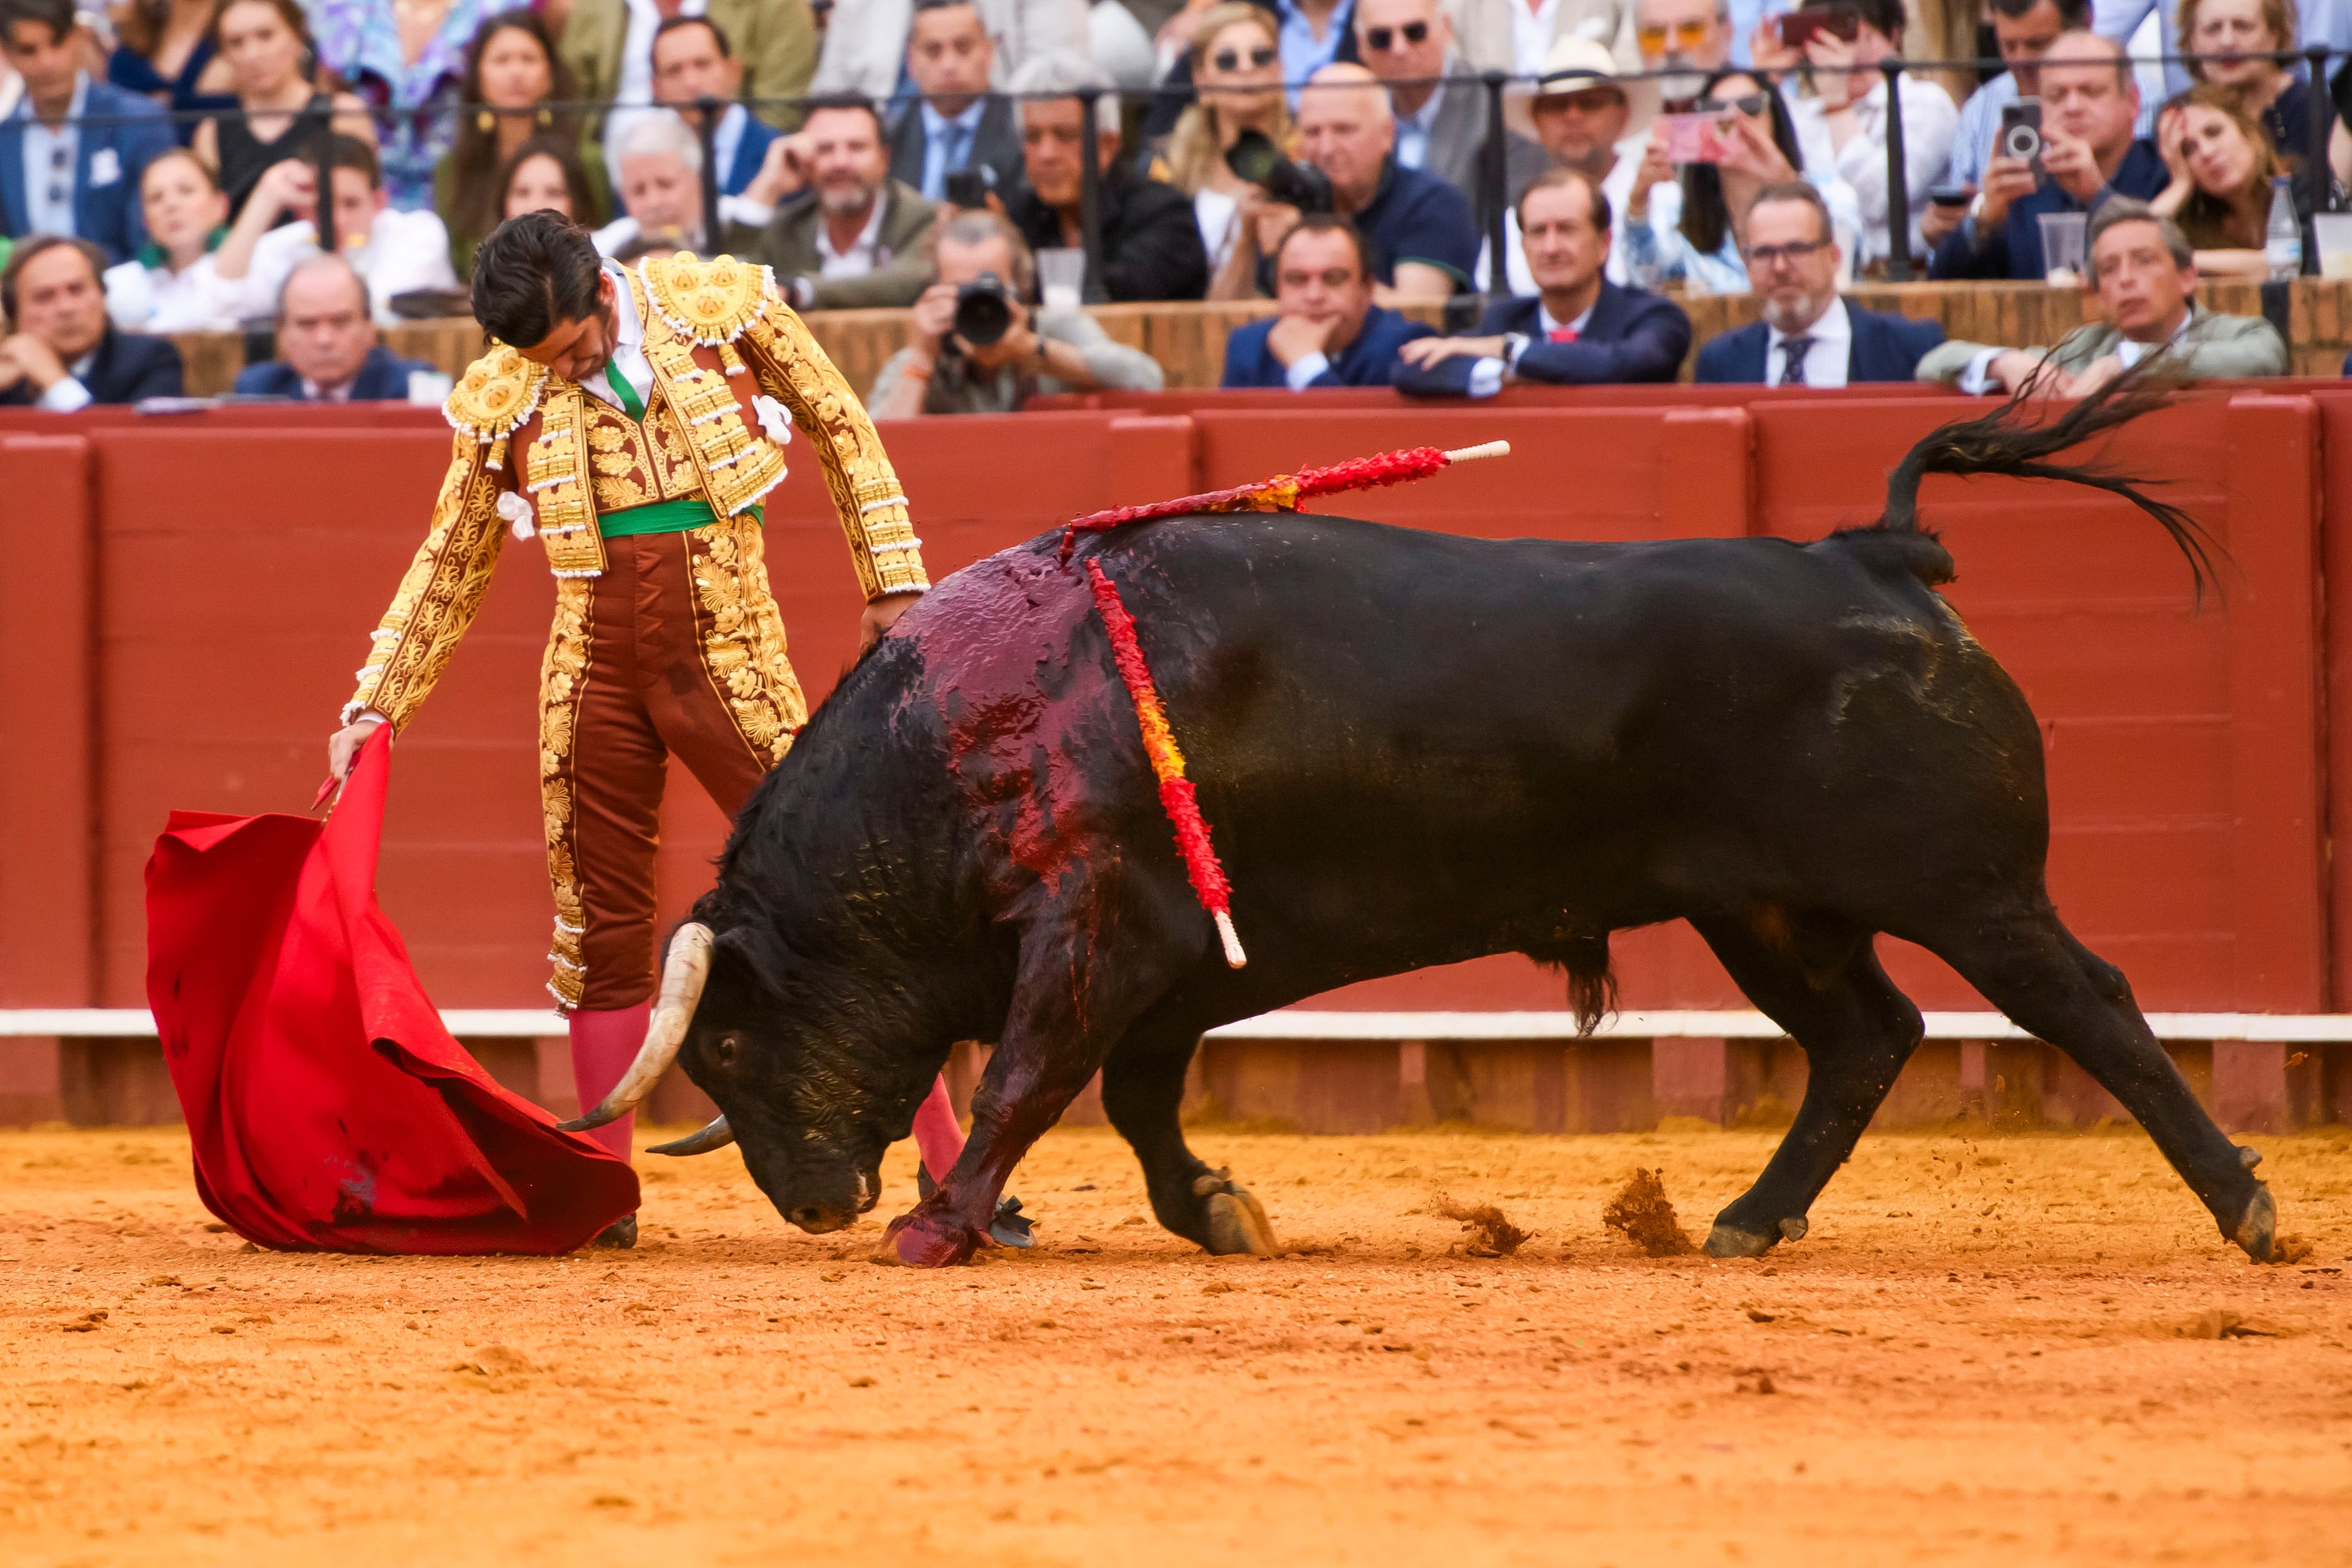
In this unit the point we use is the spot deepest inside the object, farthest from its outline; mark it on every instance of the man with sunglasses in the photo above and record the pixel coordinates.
(1440, 108)
(1809, 337)
(1690, 39)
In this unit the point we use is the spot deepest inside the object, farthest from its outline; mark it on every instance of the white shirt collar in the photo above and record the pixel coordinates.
(934, 121)
(2131, 351)
(868, 243)
(628, 344)
(1834, 327)
(1547, 323)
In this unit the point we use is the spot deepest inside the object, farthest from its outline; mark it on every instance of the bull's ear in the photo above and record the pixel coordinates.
(755, 954)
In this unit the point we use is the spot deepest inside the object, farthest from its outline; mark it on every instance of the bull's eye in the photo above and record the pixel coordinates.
(723, 1050)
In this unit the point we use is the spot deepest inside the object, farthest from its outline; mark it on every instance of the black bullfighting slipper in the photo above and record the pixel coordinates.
(622, 1233)
(1011, 1226)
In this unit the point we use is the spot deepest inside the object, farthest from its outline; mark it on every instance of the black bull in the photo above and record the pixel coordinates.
(1413, 750)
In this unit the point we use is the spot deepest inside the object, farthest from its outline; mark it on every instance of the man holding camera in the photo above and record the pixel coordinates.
(2082, 152)
(1423, 240)
(2023, 31)
(977, 348)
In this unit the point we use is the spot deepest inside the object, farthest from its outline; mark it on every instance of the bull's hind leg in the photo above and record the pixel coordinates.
(1823, 985)
(2031, 968)
(1143, 1087)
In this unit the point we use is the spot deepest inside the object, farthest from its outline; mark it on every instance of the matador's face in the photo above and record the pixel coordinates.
(577, 349)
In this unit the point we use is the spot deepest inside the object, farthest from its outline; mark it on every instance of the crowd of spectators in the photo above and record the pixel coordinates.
(1336, 158)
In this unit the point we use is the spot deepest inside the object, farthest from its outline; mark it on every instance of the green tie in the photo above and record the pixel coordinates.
(627, 393)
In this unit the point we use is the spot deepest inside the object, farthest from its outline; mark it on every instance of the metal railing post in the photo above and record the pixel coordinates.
(2323, 177)
(1090, 235)
(323, 155)
(1493, 185)
(1898, 179)
(707, 133)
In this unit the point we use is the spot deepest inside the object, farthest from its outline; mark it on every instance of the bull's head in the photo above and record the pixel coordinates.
(812, 1110)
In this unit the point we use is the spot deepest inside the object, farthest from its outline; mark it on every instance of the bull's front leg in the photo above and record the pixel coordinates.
(1063, 1019)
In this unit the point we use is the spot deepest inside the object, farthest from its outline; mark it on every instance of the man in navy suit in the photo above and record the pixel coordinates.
(1809, 335)
(58, 175)
(1581, 330)
(1328, 332)
(327, 351)
(692, 60)
(64, 354)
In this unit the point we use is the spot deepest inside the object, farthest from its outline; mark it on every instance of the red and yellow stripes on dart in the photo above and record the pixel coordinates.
(1176, 796)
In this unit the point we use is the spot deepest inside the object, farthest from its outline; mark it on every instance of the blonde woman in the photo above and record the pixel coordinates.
(2228, 42)
(1238, 68)
(2223, 165)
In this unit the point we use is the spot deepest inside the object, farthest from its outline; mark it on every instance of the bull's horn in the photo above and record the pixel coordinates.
(718, 1134)
(681, 990)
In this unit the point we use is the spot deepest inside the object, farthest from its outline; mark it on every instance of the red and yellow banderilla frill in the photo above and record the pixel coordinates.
(1280, 494)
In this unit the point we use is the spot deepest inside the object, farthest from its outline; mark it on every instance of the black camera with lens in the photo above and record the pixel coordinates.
(968, 188)
(1254, 157)
(983, 310)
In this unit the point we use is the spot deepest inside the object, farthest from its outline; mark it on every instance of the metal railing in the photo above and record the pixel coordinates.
(314, 132)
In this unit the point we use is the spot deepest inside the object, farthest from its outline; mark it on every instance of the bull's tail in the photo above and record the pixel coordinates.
(2002, 441)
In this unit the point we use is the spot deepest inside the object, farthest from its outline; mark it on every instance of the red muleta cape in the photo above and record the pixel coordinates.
(328, 1108)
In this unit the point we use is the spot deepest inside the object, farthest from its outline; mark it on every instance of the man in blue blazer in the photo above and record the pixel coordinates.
(1581, 330)
(64, 354)
(326, 342)
(57, 174)
(1328, 332)
(1809, 335)
(693, 61)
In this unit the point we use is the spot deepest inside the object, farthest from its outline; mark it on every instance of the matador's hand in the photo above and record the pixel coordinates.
(343, 746)
(879, 615)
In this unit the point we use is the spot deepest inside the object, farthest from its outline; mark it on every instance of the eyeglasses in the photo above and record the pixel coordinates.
(1686, 36)
(1750, 104)
(1796, 250)
(1381, 39)
(1231, 59)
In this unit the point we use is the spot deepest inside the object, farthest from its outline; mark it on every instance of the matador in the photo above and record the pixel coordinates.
(634, 421)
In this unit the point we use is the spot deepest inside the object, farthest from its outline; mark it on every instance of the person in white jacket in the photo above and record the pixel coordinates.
(173, 285)
(1841, 124)
(865, 41)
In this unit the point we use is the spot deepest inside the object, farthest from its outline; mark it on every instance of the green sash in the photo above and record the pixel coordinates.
(660, 516)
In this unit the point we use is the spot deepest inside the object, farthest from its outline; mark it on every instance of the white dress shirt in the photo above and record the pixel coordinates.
(727, 138)
(1930, 119)
(196, 298)
(1487, 375)
(67, 393)
(1532, 35)
(50, 154)
(402, 251)
(865, 252)
(1827, 358)
(628, 344)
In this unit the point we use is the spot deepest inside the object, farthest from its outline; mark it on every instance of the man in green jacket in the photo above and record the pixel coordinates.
(845, 235)
(609, 46)
(2146, 279)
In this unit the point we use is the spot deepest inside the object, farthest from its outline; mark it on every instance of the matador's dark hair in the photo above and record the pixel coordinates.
(533, 272)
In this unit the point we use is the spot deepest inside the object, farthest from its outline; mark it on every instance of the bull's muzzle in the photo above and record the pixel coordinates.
(683, 978)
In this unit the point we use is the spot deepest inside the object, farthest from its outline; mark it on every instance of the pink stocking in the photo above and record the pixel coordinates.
(603, 1046)
(937, 1137)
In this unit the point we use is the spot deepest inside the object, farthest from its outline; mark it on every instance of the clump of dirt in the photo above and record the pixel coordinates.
(2219, 1323)
(1642, 1211)
(1490, 1235)
(2290, 1248)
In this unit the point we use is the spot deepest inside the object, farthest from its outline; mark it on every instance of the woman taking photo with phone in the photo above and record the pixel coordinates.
(1691, 231)
(1237, 67)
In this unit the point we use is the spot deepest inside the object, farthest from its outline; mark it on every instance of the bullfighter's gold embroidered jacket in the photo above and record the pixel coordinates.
(716, 333)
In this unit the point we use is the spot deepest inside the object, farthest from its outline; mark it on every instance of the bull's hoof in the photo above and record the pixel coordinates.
(1011, 1228)
(1236, 1225)
(927, 1241)
(2257, 1232)
(1723, 1241)
(621, 1233)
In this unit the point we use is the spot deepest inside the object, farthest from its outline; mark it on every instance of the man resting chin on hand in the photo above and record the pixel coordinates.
(1328, 332)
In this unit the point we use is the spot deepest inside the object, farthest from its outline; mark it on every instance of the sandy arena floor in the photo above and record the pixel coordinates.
(1988, 1351)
